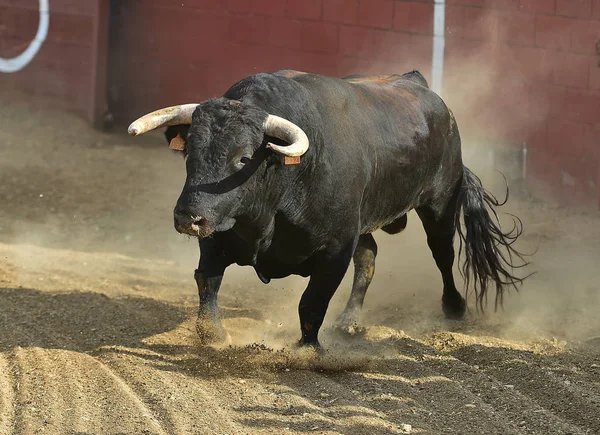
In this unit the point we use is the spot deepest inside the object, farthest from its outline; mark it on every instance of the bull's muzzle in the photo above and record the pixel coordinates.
(191, 225)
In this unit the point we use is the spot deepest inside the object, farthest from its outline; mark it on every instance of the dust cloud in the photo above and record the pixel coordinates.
(99, 193)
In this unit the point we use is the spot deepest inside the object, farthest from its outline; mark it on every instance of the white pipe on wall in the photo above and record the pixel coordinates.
(439, 43)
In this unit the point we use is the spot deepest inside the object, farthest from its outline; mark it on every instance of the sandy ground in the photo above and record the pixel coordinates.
(97, 308)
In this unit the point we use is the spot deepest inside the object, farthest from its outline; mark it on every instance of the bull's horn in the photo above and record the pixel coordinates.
(289, 132)
(175, 115)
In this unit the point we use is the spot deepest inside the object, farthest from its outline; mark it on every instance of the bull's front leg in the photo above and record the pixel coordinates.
(324, 281)
(209, 276)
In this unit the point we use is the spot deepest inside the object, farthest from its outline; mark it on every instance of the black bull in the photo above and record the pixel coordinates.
(380, 146)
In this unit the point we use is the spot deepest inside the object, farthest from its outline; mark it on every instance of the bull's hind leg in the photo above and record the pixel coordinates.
(439, 224)
(364, 268)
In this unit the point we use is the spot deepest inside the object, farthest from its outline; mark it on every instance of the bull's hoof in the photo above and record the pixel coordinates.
(353, 330)
(347, 324)
(454, 309)
(349, 329)
(210, 332)
(315, 345)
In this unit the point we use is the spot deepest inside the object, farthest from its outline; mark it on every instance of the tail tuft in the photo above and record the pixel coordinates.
(489, 254)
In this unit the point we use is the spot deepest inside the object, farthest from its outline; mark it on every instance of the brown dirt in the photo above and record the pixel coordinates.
(97, 303)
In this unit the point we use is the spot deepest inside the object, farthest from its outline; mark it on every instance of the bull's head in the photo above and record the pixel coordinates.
(224, 143)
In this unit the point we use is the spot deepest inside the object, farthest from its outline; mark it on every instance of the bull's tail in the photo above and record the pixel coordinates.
(489, 254)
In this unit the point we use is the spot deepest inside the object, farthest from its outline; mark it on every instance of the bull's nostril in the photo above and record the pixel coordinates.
(188, 221)
(184, 217)
(192, 224)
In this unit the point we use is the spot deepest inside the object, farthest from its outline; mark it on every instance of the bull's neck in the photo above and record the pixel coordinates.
(283, 190)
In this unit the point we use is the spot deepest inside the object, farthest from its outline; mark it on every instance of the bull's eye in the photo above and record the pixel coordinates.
(245, 160)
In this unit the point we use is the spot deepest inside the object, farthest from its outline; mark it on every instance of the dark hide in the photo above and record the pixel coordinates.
(380, 146)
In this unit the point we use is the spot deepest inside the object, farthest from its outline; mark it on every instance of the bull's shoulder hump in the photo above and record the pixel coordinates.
(289, 73)
(388, 80)
(416, 77)
(372, 79)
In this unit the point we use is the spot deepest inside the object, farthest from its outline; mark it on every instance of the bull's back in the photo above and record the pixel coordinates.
(377, 142)
(391, 132)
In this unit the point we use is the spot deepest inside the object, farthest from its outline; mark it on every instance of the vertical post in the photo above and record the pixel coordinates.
(598, 187)
(598, 180)
(439, 43)
(99, 64)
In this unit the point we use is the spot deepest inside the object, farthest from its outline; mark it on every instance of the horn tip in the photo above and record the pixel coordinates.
(133, 131)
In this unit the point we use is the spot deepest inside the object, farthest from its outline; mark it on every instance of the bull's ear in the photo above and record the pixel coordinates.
(176, 135)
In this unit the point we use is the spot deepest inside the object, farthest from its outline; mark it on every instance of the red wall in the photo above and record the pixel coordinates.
(70, 68)
(526, 71)
(166, 53)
